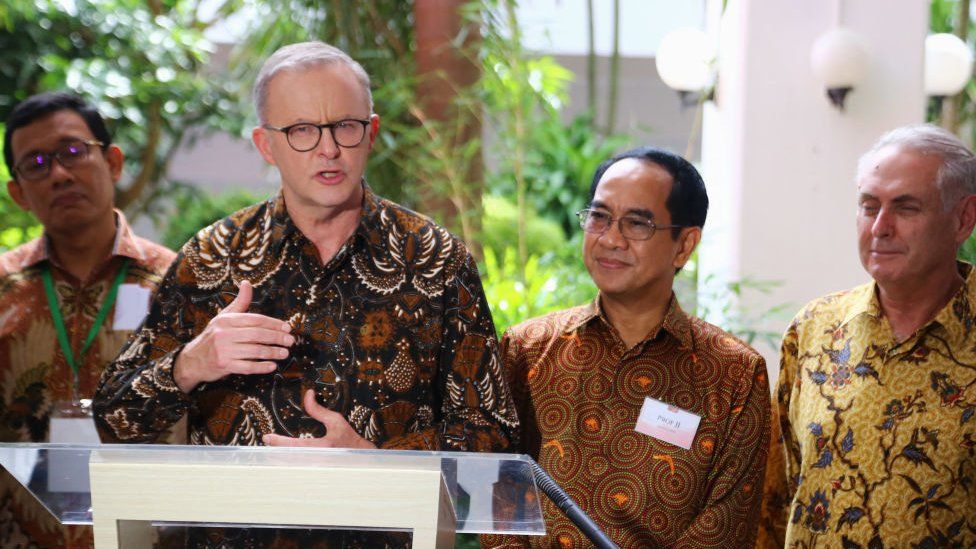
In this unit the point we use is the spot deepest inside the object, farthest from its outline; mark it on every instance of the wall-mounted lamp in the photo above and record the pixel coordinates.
(840, 60)
(684, 62)
(948, 65)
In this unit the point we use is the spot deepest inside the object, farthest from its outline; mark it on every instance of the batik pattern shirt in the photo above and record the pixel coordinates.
(579, 390)
(878, 445)
(33, 370)
(34, 373)
(393, 332)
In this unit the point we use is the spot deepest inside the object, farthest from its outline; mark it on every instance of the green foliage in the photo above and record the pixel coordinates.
(195, 209)
(498, 228)
(141, 63)
(379, 35)
(942, 18)
(968, 250)
(18, 226)
(730, 302)
(547, 164)
(564, 158)
(559, 165)
(942, 14)
(518, 292)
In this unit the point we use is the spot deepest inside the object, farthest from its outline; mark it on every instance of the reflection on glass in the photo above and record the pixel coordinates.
(491, 493)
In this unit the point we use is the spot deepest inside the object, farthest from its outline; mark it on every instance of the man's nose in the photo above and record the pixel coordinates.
(612, 237)
(883, 224)
(59, 174)
(327, 145)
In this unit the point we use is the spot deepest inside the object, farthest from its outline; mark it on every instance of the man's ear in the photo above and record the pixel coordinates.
(116, 161)
(687, 242)
(374, 128)
(966, 218)
(260, 137)
(17, 193)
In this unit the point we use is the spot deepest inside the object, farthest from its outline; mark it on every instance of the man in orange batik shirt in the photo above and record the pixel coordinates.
(655, 422)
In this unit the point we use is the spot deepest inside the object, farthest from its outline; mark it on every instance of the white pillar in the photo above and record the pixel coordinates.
(779, 159)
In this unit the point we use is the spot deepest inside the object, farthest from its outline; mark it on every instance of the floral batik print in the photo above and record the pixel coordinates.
(876, 446)
(34, 373)
(393, 332)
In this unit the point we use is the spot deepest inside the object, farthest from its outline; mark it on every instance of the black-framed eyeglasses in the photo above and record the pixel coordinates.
(69, 154)
(305, 136)
(632, 227)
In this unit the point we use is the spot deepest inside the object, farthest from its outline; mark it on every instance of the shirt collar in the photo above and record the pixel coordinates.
(958, 317)
(864, 301)
(676, 322)
(369, 217)
(124, 245)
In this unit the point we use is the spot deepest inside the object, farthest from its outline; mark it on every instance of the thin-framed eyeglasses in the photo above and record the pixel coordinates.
(305, 136)
(632, 227)
(69, 154)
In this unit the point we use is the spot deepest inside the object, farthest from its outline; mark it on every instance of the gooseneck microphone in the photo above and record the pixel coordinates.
(570, 508)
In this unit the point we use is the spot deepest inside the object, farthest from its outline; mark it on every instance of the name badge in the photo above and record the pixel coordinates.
(131, 307)
(668, 423)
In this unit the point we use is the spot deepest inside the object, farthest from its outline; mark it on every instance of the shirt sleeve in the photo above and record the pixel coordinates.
(137, 400)
(477, 414)
(783, 463)
(516, 374)
(732, 506)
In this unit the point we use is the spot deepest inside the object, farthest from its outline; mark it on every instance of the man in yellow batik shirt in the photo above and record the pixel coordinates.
(877, 390)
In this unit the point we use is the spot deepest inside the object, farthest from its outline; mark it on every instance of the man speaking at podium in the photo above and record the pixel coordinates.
(326, 316)
(655, 422)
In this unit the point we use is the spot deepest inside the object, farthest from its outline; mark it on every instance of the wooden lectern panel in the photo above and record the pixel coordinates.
(130, 491)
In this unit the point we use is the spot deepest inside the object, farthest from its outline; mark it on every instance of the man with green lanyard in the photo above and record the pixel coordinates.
(70, 298)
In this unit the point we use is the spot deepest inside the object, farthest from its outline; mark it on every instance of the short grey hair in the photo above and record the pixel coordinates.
(302, 56)
(957, 175)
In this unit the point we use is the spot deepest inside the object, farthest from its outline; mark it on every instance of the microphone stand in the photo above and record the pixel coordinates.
(570, 508)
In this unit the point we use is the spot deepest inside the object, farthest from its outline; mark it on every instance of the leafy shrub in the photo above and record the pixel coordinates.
(968, 250)
(18, 226)
(195, 209)
(551, 282)
(499, 228)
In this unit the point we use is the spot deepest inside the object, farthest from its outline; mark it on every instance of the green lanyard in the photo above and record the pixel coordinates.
(52, 303)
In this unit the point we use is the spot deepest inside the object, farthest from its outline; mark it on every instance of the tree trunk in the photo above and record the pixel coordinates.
(445, 72)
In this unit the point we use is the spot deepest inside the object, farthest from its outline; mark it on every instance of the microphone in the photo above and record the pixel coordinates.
(570, 508)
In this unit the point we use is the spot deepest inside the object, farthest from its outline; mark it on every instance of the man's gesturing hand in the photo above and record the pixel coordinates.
(338, 432)
(234, 342)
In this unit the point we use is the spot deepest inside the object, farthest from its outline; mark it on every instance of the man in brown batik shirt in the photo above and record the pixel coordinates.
(326, 316)
(601, 388)
(57, 337)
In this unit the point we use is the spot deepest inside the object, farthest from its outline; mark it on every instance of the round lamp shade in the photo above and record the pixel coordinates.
(839, 59)
(684, 60)
(948, 64)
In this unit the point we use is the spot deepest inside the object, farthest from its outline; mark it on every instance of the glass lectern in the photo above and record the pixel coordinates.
(125, 491)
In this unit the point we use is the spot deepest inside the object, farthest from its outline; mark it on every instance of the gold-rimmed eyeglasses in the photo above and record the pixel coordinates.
(632, 227)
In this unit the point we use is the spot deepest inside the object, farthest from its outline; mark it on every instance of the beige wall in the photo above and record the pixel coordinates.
(780, 160)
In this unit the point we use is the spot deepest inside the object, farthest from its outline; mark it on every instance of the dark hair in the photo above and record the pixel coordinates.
(687, 202)
(38, 106)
